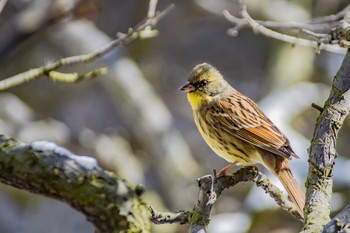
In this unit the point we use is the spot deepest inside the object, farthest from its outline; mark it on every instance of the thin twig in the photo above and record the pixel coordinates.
(281, 25)
(319, 37)
(274, 192)
(287, 38)
(148, 32)
(317, 107)
(122, 40)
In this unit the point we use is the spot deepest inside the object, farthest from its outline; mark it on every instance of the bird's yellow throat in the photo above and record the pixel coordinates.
(197, 101)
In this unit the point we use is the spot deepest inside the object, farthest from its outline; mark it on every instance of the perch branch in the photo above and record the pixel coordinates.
(210, 189)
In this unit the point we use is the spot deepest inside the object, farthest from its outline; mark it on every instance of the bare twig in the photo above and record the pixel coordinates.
(282, 25)
(148, 32)
(317, 107)
(318, 37)
(122, 40)
(319, 41)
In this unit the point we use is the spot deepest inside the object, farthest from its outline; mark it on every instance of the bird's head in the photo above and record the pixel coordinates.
(205, 84)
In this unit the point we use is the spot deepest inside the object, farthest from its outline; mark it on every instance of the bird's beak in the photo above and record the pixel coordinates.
(188, 87)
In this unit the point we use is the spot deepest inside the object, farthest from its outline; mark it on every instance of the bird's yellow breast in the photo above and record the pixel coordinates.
(226, 145)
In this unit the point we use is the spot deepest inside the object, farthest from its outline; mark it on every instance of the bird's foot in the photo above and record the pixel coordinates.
(223, 172)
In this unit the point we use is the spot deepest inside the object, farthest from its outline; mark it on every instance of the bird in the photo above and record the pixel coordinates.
(236, 129)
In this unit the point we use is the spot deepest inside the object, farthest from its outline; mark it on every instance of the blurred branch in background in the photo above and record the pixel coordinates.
(35, 17)
(50, 69)
(333, 38)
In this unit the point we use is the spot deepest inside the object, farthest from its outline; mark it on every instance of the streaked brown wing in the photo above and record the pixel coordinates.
(241, 117)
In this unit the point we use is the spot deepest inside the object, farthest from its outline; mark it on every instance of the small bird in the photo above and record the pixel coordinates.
(237, 130)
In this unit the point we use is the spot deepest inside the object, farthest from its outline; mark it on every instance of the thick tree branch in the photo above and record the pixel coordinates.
(322, 152)
(44, 168)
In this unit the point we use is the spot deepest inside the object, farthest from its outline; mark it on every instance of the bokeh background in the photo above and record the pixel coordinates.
(136, 123)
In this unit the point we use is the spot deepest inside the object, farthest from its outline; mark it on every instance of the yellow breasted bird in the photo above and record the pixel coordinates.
(237, 130)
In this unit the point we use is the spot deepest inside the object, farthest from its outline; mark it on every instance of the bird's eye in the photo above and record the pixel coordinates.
(203, 83)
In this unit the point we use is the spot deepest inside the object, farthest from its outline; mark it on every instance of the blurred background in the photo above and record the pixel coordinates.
(136, 123)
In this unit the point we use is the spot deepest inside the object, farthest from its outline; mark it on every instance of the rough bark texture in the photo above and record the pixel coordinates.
(340, 222)
(322, 152)
(109, 203)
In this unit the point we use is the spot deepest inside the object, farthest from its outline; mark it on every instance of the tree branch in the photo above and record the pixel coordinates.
(30, 19)
(123, 39)
(318, 41)
(322, 152)
(42, 167)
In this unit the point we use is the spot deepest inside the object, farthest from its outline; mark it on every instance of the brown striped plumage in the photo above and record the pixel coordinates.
(236, 129)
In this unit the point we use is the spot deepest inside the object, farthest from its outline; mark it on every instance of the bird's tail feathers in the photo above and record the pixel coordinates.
(294, 191)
